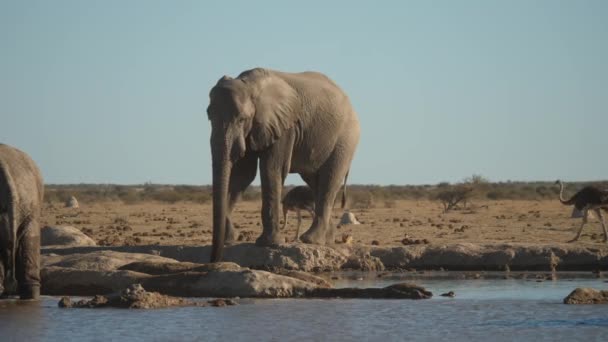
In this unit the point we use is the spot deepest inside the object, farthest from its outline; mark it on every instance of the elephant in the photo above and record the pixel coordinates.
(291, 123)
(21, 196)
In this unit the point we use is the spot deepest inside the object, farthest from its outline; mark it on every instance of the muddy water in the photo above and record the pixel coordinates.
(494, 309)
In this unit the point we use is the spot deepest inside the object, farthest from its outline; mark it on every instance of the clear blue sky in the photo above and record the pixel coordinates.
(116, 91)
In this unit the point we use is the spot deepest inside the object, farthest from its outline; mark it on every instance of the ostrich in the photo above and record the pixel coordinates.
(588, 198)
(297, 199)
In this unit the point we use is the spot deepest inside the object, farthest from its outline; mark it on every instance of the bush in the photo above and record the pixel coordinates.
(454, 195)
(359, 196)
(360, 200)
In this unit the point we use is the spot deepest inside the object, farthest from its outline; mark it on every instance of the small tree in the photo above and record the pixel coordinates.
(453, 195)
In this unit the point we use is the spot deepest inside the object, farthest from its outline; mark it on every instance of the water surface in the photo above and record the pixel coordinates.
(484, 309)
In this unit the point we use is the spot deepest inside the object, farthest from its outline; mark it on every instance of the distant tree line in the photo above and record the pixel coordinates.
(456, 195)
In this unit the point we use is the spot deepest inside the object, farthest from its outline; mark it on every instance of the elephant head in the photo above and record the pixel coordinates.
(247, 115)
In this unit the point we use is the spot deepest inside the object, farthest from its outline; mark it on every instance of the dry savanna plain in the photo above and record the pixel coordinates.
(547, 221)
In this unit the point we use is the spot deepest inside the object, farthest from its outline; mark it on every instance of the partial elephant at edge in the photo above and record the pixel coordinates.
(21, 195)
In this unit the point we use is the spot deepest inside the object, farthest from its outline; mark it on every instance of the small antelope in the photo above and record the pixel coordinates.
(297, 199)
(588, 198)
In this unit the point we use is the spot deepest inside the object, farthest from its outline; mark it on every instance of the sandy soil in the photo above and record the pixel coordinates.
(114, 223)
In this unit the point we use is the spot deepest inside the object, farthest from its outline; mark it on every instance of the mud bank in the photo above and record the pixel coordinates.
(310, 258)
(136, 297)
(108, 272)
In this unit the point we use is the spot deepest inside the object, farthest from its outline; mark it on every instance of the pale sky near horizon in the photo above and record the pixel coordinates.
(116, 91)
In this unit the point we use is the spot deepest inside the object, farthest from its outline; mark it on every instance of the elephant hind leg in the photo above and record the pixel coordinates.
(285, 210)
(2, 294)
(28, 261)
(330, 178)
(299, 224)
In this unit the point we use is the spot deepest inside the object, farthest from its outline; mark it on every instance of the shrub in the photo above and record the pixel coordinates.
(360, 199)
(454, 195)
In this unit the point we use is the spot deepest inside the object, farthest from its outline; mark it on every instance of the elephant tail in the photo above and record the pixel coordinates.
(10, 282)
(344, 190)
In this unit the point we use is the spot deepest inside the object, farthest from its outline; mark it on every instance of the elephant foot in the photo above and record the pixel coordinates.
(230, 238)
(330, 235)
(314, 236)
(270, 240)
(29, 292)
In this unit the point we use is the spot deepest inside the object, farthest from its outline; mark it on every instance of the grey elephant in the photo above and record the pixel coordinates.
(21, 194)
(291, 123)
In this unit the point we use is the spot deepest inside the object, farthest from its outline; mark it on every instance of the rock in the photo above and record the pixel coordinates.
(450, 294)
(64, 236)
(396, 291)
(409, 241)
(364, 262)
(65, 302)
(307, 277)
(100, 260)
(133, 297)
(587, 296)
(159, 267)
(347, 239)
(222, 302)
(247, 235)
(96, 302)
(61, 281)
(244, 282)
(452, 256)
(348, 218)
(72, 203)
(375, 243)
(295, 256)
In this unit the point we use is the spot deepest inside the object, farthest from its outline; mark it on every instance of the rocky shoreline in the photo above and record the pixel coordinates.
(101, 273)
(288, 271)
(310, 258)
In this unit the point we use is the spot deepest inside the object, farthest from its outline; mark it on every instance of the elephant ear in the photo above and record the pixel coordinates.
(275, 112)
(222, 87)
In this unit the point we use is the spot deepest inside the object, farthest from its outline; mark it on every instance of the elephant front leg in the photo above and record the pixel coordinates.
(274, 166)
(243, 174)
(271, 208)
(28, 262)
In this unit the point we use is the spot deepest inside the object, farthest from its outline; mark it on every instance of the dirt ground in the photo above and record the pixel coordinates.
(115, 223)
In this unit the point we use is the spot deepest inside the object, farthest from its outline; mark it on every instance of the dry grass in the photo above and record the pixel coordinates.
(186, 223)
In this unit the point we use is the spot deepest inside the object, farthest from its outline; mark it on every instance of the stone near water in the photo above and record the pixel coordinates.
(347, 239)
(72, 203)
(102, 261)
(348, 218)
(64, 236)
(587, 296)
(133, 297)
(396, 291)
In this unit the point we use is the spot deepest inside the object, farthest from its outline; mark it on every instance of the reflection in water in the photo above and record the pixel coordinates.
(482, 310)
(28, 318)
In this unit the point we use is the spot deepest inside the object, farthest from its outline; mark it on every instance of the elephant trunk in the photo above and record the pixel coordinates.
(222, 167)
